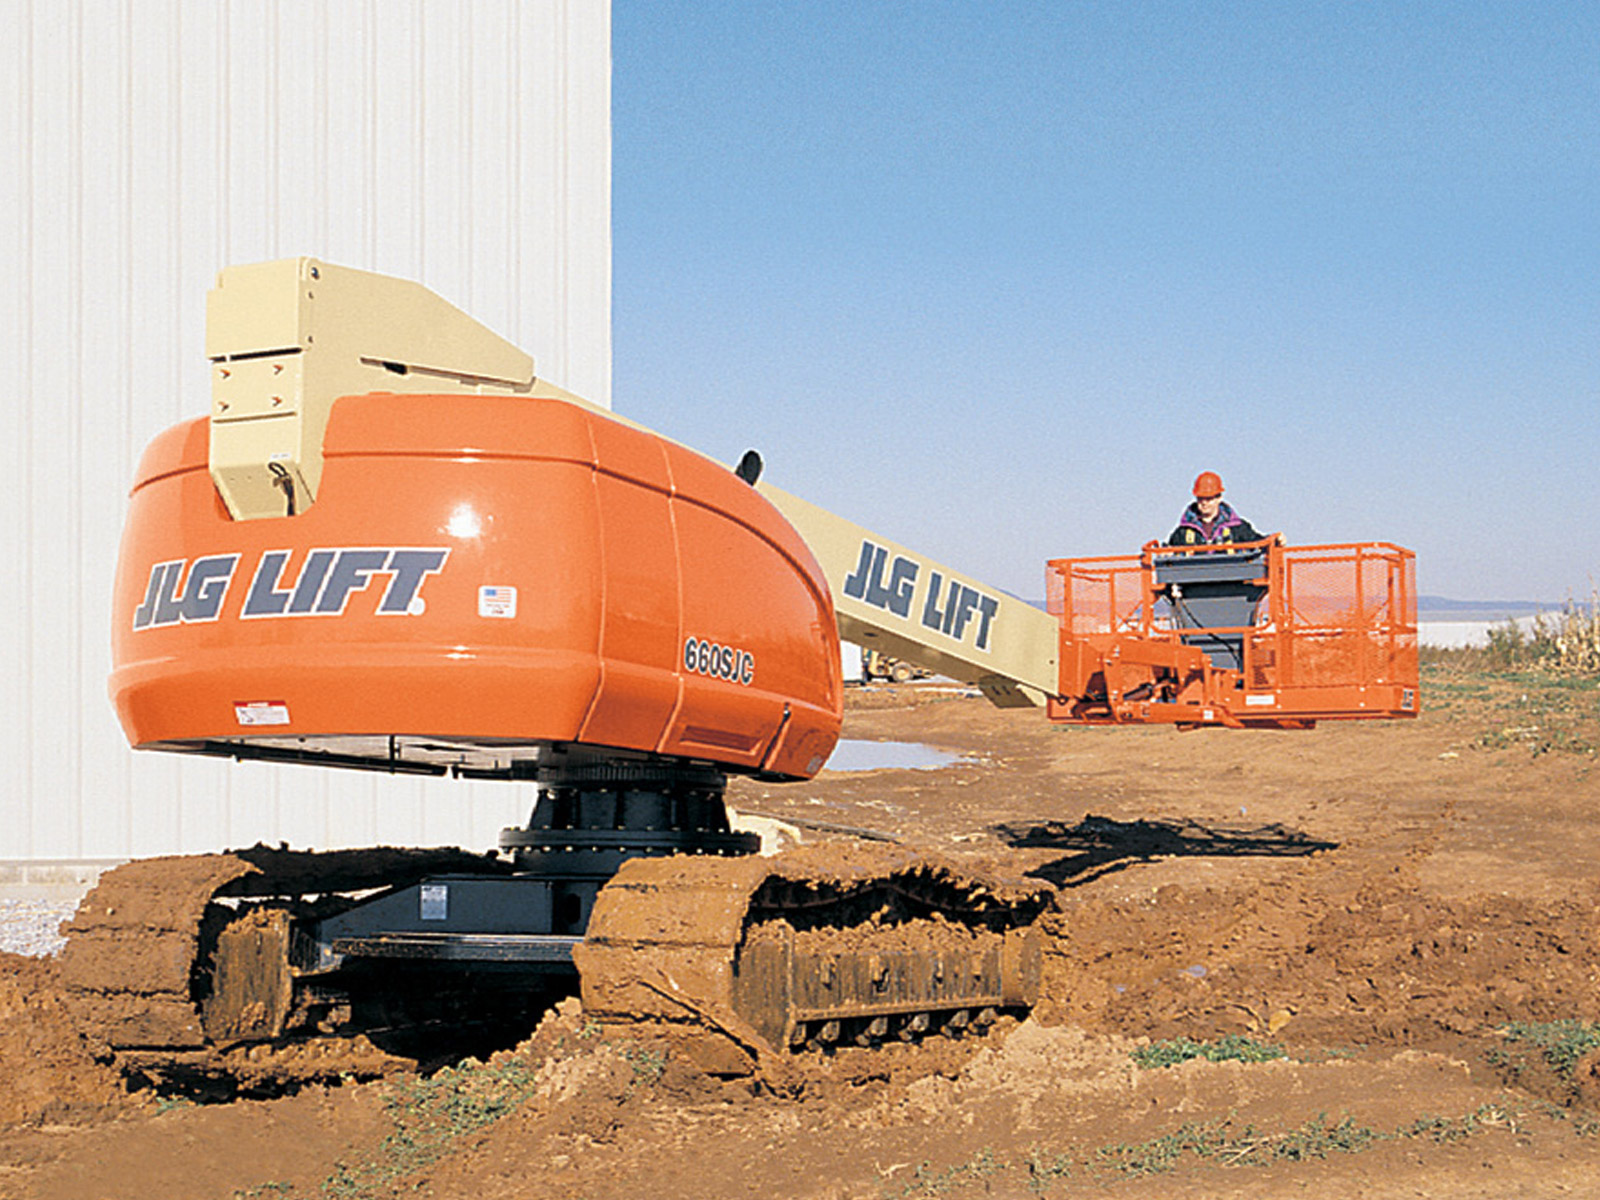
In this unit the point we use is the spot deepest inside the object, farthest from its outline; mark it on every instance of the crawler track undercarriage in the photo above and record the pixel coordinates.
(810, 949)
(189, 969)
(214, 969)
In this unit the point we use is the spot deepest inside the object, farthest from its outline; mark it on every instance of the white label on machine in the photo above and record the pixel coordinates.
(1261, 699)
(435, 901)
(261, 712)
(497, 602)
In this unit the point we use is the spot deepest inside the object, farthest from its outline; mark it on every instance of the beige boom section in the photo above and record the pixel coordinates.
(287, 338)
(902, 603)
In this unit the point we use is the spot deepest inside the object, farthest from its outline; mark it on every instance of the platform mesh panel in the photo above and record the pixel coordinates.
(1349, 617)
(1093, 596)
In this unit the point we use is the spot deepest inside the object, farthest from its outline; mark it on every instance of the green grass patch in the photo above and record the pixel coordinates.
(1562, 1043)
(1221, 1143)
(1536, 739)
(1536, 709)
(1545, 680)
(430, 1115)
(1233, 1048)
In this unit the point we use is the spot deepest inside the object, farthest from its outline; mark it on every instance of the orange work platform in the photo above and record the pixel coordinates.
(1255, 635)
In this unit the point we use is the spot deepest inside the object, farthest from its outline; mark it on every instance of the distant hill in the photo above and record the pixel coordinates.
(1444, 608)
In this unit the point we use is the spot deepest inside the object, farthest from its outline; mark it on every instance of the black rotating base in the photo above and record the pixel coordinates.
(591, 818)
(525, 916)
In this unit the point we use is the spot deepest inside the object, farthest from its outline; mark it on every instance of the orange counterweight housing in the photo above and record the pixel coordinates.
(482, 584)
(1257, 635)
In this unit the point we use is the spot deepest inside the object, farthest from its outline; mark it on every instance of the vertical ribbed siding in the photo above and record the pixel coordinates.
(147, 144)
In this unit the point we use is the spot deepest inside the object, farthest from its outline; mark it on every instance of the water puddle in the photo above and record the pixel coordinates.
(853, 754)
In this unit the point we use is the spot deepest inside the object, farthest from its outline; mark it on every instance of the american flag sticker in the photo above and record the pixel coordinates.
(497, 602)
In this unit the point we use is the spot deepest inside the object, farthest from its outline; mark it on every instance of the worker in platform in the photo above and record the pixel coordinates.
(1211, 521)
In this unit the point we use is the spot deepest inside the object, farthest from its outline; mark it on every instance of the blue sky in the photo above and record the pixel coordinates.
(997, 279)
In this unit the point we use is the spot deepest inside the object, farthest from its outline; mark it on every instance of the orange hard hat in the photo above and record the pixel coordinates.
(1207, 483)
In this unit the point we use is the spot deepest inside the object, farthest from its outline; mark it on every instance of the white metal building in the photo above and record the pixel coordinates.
(145, 145)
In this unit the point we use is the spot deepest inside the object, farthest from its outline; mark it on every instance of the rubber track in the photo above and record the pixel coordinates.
(664, 943)
(133, 962)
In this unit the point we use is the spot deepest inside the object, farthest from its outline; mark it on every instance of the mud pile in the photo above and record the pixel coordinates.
(1385, 965)
(50, 1075)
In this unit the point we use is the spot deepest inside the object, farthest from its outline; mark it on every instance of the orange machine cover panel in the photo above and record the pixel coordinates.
(479, 577)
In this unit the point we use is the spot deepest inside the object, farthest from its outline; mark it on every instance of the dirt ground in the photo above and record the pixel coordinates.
(1400, 918)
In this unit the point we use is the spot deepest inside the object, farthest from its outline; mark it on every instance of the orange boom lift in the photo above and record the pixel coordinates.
(391, 547)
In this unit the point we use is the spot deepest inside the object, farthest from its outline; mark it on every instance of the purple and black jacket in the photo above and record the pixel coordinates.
(1228, 527)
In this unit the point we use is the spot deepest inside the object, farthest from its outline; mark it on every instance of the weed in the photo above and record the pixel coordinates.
(1439, 663)
(461, 1099)
(1441, 1130)
(263, 1191)
(1045, 1169)
(1562, 1043)
(1322, 1054)
(1546, 680)
(347, 1184)
(1538, 709)
(1158, 1154)
(1233, 1048)
(1568, 641)
(1538, 739)
(1218, 1142)
(647, 1064)
(429, 1115)
(1222, 1143)
(1582, 1125)
(1318, 1139)
(924, 1182)
(1446, 1130)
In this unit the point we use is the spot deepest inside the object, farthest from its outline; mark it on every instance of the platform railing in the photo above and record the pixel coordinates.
(1257, 633)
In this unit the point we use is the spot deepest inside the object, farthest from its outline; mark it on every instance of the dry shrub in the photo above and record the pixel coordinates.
(1568, 641)
(1577, 637)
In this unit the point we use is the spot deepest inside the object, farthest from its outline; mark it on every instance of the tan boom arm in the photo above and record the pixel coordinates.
(906, 605)
(288, 338)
